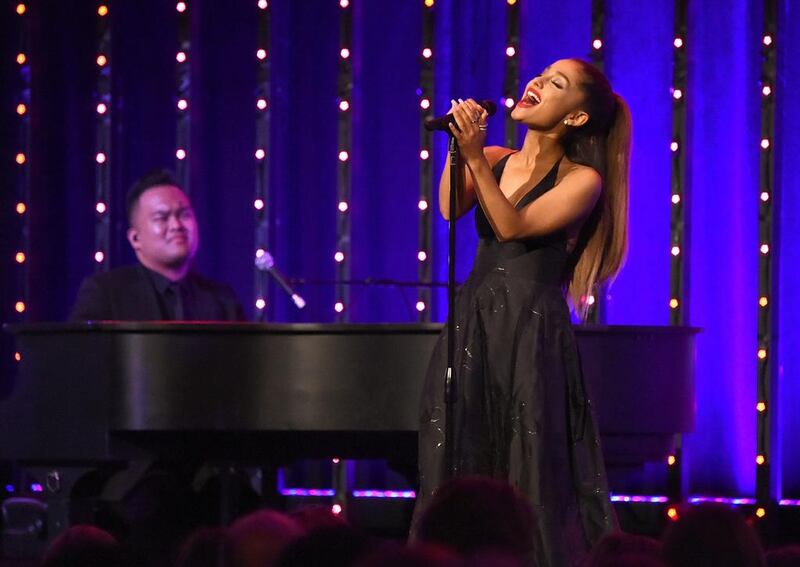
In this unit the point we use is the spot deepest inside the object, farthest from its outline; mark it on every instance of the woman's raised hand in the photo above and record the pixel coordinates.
(470, 127)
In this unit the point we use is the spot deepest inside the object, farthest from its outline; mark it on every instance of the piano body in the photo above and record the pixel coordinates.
(258, 393)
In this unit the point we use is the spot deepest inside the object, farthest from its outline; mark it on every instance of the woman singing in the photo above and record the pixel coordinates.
(552, 222)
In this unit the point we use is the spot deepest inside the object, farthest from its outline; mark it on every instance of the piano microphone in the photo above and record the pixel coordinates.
(266, 263)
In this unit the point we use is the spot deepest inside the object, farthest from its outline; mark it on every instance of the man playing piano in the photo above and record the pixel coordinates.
(164, 235)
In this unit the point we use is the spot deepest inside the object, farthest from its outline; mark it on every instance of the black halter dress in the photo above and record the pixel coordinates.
(522, 413)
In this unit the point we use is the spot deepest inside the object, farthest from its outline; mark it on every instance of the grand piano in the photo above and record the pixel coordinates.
(256, 393)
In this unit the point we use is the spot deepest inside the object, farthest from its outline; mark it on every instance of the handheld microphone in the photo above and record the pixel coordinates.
(442, 122)
(266, 263)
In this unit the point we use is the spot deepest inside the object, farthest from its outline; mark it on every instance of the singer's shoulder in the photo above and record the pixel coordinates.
(496, 153)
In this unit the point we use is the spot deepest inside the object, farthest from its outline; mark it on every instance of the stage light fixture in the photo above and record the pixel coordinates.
(344, 53)
(511, 51)
(765, 143)
(261, 54)
(422, 256)
(20, 257)
(674, 146)
(422, 205)
(764, 196)
(678, 42)
(762, 353)
(676, 199)
(21, 58)
(180, 57)
(675, 251)
(260, 154)
(100, 157)
(766, 90)
(338, 307)
(261, 104)
(597, 44)
(763, 301)
(344, 106)
(20, 158)
(509, 102)
(19, 306)
(420, 306)
(21, 109)
(21, 208)
(427, 53)
(100, 207)
(258, 204)
(343, 206)
(101, 60)
(102, 10)
(180, 153)
(339, 257)
(101, 108)
(425, 104)
(761, 407)
(673, 303)
(183, 104)
(99, 257)
(260, 303)
(764, 249)
(343, 156)
(424, 154)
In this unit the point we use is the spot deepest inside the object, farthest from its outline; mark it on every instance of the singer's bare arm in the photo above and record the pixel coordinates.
(465, 195)
(563, 207)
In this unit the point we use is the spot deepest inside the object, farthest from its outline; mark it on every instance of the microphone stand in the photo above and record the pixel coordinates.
(450, 382)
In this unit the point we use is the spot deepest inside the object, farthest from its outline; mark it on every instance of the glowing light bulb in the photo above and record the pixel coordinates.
(101, 108)
(263, 4)
(763, 301)
(762, 353)
(21, 109)
(21, 9)
(100, 157)
(339, 257)
(343, 206)
(261, 104)
(422, 256)
(344, 3)
(19, 306)
(590, 300)
(764, 249)
(676, 250)
(760, 460)
(100, 207)
(761, 406)
(101, 60)
(678, 42)
(420, 306)
(183, 104)
(674, 146)
(21, 208)
(260, 154)
(180, 153)
(20, 158)
(676, 198)
(344, 106)
(671, 460)
(427, 53)
(180, 7)
(260, 303)
(764, 196)
(338, 307)
(597, 44)
(180, 57)
(766, 90)
(677, 94)
(422, 205)
(673, 303)
(424, 154)
(429, 3)
(510, 51)
(425, 104)
(767, 40)
(102, 10)
(760, 512)
(20, 257)
(260, 252)
(343, 156)
(509, 102)
(99, 257)
(672, 513)
(765, 143)
(21, 58)
(18, 357)
(261, 54)
(344, 53)
(336, 509)
(258, 204)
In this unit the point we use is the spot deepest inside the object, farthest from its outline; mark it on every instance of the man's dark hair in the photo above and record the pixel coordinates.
(152, 178)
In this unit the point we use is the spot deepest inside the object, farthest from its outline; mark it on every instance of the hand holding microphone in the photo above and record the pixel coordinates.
(442, 123)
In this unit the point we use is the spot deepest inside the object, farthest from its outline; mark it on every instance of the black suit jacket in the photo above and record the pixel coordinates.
(129, 294)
